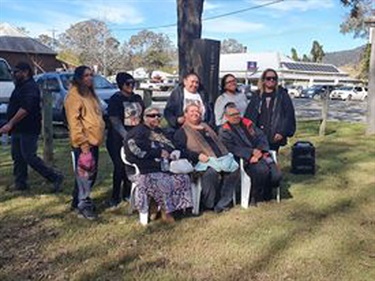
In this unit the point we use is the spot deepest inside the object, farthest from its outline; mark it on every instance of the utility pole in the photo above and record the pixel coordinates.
(53, 38)
(371, 80)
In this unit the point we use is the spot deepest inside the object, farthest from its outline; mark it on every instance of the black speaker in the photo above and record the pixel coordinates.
(303, 158)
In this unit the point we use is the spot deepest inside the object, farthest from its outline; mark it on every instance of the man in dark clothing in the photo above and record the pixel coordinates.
(246, 141)
(125, 112)
(271, 109)
(24, 124)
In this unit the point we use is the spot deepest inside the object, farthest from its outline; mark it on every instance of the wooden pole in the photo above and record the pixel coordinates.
(371, 82)
(47, 126)
(323, 124)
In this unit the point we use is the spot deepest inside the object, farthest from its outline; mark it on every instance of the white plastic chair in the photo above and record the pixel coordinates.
(143, 216)
(246, 183)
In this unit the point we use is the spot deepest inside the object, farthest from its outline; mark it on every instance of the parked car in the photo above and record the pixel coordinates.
(294, 90)
(58, 84)
(6, 87)
(349, 93)
(316, 91)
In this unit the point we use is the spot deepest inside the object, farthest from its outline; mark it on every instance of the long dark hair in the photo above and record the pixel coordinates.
(222, 84)
(77, 81)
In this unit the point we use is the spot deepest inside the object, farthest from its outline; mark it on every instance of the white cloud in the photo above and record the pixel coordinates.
(113, 13)
(230, 25)
(208, 6)
(299, 5)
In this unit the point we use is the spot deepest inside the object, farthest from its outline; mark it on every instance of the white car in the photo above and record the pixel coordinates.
(295, 90)
(349, 93)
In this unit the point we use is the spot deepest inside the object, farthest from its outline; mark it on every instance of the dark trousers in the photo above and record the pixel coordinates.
(259, 174)
(221, 185)
(24, 148)
(77, 189)
(120, 179)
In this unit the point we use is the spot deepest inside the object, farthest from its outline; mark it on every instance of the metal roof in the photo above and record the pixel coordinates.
(310, 67)
(24, 45)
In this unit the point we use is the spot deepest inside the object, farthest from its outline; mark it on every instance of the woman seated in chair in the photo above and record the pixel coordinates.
(147, 146)
(220, 173)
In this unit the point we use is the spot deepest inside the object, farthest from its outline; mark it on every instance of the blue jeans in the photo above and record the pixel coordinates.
(79, 191)
(24, 147)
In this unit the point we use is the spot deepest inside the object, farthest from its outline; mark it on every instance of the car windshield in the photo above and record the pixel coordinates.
(345, 88)
(4, 72)
(99, 81)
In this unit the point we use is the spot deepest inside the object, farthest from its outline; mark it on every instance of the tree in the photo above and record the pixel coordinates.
(230, 46)
(150, 50)
(48, 41)
(294, 54)
(92, 42)
(317, 52)
(355, 23)
(189, 27)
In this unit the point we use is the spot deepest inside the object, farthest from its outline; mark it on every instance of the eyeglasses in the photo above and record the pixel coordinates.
(234, 114)
(270, 78)
(231, 81)
(16, 71)
(153, 115)
(88, 74)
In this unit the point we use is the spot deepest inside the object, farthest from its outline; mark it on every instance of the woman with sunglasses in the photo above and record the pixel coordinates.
(86, 129)
(271, 109)
(125, 112)
(148, 147)
(229, 93)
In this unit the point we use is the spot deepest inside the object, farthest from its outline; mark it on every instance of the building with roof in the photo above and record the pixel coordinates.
(16, 46)
(248, 67)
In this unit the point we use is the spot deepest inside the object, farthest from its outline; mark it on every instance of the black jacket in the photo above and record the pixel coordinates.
(283, 119)
(26, 95)
(143, 148)
(242, 146)
(175, 108)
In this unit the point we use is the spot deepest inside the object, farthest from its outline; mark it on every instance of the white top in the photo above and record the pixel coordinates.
(239, 99)
(195, 98)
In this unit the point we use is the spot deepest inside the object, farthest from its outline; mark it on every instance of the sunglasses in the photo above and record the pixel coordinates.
(270, 78)
(153, 115)
(131, 83)
(16, 71)
(88, 74)
(231, 81)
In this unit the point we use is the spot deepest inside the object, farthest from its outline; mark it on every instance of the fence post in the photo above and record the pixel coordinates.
(147, 97)
(323, 124)
(47, 126)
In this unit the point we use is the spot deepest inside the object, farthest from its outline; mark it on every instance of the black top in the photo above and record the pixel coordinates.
(265, 116)
(143, 147)
(26, 95)
(128, 109)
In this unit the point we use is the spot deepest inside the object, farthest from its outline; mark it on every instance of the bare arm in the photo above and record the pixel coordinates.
(21, 113)
(118, 126)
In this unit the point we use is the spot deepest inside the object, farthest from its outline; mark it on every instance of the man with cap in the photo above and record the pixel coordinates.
(24, 124)
(125, 112)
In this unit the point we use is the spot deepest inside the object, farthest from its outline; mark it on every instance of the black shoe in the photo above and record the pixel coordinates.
(57, 183)
(253, 202)
(113, 204)
(18, 187)
(87, 213)
(220, 210)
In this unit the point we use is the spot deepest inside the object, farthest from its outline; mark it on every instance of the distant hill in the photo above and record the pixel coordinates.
(345, 58)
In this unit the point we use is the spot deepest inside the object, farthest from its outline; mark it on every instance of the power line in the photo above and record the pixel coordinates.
(205, 19)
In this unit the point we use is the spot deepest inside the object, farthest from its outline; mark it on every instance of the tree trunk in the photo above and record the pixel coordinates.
(189, 27)
(371, 87)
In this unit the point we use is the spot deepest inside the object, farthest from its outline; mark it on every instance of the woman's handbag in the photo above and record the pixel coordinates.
(181, 166)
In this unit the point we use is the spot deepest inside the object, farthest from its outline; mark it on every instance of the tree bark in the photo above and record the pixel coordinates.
(189, 27)
(371, 87)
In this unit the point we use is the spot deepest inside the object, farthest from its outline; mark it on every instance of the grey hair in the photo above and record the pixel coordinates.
(149, 109)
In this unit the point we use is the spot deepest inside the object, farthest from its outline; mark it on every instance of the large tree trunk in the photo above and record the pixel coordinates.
(189, 27)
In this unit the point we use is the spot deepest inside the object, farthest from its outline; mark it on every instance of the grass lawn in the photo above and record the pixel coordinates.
(323, 229)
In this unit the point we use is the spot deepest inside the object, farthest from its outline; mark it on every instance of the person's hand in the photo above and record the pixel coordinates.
(277, 137)
(175, 154)
(253, 160)
(181, 120)
(257, 153)
(164, 154)
(6, 128)
(203, 158)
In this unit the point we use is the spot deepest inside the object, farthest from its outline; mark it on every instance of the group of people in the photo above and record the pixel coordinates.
(212, 140)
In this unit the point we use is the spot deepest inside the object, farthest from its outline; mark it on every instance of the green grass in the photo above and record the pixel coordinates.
(324, 228)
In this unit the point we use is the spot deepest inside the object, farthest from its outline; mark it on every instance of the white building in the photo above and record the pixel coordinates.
(290, 71)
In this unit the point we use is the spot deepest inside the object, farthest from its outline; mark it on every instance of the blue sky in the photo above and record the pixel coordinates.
(277, 27)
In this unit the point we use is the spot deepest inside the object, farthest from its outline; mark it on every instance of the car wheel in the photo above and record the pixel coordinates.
(316, 97)
(349, 98)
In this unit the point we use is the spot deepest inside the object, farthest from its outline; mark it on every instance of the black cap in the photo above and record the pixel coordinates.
(23, 66)
(122, 78)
